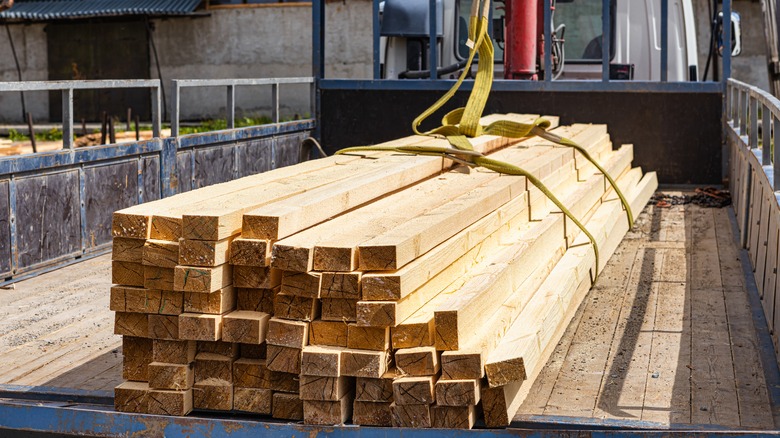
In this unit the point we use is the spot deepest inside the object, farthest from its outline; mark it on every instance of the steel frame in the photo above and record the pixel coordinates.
(14, 168)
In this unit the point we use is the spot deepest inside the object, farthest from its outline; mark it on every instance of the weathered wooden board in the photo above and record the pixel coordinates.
(5, 229)
(255, 156)
(213, 165)
(48, 218)
(106, 190)
(151, 178)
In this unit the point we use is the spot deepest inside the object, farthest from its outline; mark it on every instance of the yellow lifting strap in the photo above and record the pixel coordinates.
(463, 123)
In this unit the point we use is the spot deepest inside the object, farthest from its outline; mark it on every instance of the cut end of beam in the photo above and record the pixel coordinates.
(377, 258)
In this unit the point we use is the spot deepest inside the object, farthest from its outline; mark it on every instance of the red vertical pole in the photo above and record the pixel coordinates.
(522, 35)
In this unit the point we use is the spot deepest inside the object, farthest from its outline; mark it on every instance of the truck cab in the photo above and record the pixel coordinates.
(635, 45)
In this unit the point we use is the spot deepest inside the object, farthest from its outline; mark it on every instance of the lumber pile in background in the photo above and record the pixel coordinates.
(380, 289)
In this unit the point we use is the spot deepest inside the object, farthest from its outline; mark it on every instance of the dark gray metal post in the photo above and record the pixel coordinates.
(776, 155)
(318, 57)
(230, 106)
(664, 40)
(67, 118)
(175, 108)
(375, 26)
(156, 113)
(726, 40)
(753, 140)
(548, 74)
(433, 55)
(606, 32)
(275, 103)
(766, 136)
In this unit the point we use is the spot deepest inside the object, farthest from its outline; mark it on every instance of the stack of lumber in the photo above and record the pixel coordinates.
(377, 289)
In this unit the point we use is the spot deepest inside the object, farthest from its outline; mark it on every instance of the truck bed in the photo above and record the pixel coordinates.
(669, 338)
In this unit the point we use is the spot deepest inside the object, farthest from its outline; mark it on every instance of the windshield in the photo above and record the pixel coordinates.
(464, 9)
(583, 28)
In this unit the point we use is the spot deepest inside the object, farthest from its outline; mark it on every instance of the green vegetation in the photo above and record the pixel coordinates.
(52, 134)
(220, 124)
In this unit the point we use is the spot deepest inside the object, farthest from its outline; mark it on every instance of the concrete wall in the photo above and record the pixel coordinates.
(251, 42)
(30, 43)
(261, 42)
(750, 66)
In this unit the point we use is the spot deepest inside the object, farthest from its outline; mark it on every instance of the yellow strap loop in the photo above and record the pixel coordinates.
(460, 124)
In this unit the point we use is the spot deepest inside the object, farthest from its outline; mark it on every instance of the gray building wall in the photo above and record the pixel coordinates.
(261, 42)
(251, 42)
(30, 43)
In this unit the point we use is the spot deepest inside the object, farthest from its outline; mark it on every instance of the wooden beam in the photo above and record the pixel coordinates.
(142, 300)
(254, 277)
(453, 417)
(250, 252)
(414, 390)
(219, 217)
(339, 309)
(252, 400)
(375, 389)
(284, 382)
(328, 333)
(217, 302)
(127, 273)
(132, 397)
(173, 351)
(283, 359)
(288, 333)
(204, 252)
(418, 416)
(163, 219)
(124, 249)
(131, 324)
(287, 406)
(286, 217)
(245, 327)
(500, 403)
(213, 394)
(136, 356)
(163, 327)
(202, 279)
(213, 366)
(398, 284)
(368, 338)
(341, 285)
(468, 362)
(397, 247)
(364, 363)
(161, 253)
(368, 413)
(171, 376)
(303, 284)
(321, 361)
(327, 412)
(156, 277)
(218, 347)
(464, 392)
(172, 403)
(259, 300)
(200, 327)
(326, 388)
(295, 307)
(419, 361)
(250, 373)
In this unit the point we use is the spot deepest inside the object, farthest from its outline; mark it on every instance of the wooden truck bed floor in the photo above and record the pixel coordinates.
(667, 336)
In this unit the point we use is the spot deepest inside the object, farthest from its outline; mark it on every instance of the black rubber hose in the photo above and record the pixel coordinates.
(422, 74)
